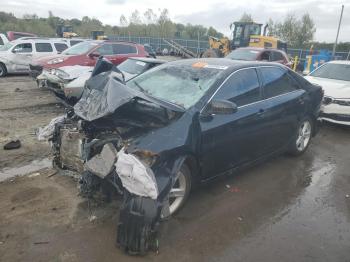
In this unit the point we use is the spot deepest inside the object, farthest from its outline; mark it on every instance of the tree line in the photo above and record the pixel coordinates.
(149, 24)
(297, 31)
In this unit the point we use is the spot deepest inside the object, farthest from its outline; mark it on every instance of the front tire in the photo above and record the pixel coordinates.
(3, 70)
(179, 193)
(302, 137)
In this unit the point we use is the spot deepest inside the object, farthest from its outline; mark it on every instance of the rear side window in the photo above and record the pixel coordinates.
(277, 82)
(277, 56)
(105, 50)
(120, 49)
(23, 48)
(74, 42)
(60, 47)
(43, 47)
(241, 88)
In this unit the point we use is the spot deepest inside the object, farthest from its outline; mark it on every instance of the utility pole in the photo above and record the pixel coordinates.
(336, 39)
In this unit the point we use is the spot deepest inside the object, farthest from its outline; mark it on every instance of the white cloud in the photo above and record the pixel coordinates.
(216, 13)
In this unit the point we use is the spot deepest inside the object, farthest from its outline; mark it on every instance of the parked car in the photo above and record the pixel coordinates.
(178, 124)
(70, 80)
(334, 77)
(16, 56)
(87, 53)
(130, 68)
(260, 54)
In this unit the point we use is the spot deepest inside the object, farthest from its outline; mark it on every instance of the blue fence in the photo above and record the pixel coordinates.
(199, 46)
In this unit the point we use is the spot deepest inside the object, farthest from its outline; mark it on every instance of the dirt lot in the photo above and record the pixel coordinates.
(288, 209)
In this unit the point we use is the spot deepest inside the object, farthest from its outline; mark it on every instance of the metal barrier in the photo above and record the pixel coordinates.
(199, 46)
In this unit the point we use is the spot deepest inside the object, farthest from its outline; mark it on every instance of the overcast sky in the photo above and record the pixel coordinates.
(216, 13)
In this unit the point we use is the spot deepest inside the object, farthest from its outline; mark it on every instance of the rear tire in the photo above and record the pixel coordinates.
(3, 70)
(302, 138)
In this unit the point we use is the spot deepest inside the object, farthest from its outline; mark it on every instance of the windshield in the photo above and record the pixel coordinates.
(243, 54)
(333, 71)
(80, 48)
(6, 47)
(182, 85)
(133, 67)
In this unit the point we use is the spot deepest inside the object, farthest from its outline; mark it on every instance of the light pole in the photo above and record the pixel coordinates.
(336, 39)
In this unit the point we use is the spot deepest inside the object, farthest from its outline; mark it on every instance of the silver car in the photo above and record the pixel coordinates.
(15, 56)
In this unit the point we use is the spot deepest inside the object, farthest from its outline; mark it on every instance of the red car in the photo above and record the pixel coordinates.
(86, 54)
(260, 54)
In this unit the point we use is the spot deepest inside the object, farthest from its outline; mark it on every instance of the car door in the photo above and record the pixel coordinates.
(283, 104)
(21, 55)
(230, 140)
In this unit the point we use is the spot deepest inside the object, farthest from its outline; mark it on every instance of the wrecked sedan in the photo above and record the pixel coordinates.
(179, 124)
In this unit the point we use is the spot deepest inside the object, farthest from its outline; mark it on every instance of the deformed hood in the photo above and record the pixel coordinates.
(105, 92)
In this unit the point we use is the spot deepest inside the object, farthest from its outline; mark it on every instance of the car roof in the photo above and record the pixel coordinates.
(232, 65)
(149, 60)
(342, 62)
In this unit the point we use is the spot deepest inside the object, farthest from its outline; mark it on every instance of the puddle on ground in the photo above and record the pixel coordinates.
(34, 166)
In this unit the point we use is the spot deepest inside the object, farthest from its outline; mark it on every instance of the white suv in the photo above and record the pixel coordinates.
(16, 56)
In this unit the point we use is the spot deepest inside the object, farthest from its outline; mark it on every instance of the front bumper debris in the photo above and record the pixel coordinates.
(138, 223)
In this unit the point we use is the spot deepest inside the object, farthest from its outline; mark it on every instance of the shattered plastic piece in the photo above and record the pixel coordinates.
(228, 186)
(102, 164)
(34, 174)
(12, 145)
(135, 176)
(240, 218)
(92, 218)
(347, 196)
(46, 132)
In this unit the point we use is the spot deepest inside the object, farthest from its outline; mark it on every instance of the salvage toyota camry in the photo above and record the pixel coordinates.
(181, 123)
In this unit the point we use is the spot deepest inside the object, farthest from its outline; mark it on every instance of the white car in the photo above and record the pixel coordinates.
(334, 77)
(15, 56)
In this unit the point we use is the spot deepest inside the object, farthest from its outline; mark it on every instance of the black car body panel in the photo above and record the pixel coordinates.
(150, 128)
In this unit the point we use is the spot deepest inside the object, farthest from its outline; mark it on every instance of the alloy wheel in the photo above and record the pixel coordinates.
(304, 136)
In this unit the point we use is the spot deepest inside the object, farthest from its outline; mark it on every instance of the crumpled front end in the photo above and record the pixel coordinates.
(336, 111)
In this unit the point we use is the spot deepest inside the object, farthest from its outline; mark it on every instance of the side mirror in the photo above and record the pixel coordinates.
(221, 107)
(94, 55)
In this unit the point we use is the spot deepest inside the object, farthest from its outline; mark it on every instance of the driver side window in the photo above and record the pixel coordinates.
(22, 48)
(241, 88)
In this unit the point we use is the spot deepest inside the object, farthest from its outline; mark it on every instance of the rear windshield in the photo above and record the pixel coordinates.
(333, 71)
(132, 66)
(182, 85)
(80, 48)
(243, 54)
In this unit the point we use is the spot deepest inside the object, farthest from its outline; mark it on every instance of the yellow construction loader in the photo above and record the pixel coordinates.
(244, 34)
